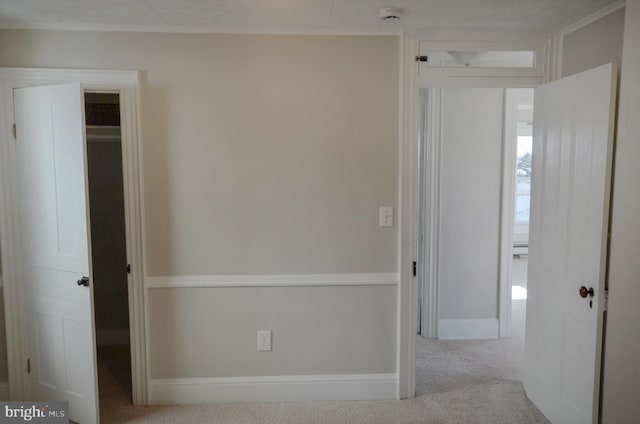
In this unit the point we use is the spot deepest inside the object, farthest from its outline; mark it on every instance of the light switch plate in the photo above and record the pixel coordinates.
(264, 341)
(386, 216)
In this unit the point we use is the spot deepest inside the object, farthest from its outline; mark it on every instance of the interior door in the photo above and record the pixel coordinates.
(52, 191)
(571, 179)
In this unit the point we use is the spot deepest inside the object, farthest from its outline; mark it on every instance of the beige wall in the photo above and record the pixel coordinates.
(261, 155)
(316, 330)
(621, 390)
(593, 45)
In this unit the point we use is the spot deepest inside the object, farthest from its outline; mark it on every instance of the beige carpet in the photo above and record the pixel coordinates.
(473, 382)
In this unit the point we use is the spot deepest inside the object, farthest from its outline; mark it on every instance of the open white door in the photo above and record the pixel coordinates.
(571, 171)
(53, 201)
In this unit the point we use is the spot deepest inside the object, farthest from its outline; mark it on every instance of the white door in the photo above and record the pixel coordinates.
(572, 156)
(52, 191)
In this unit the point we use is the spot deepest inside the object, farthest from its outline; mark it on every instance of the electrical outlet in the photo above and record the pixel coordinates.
(264, 341)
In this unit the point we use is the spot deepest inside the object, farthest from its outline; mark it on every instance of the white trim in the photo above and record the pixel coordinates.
(160, 282)
(481, 82)
(127, 83)
(195, 29)
(134, 207)
(614, 7)
(468, 329)
(553, 58)
(112, 337)
(507, 200)
(92, 80)
(273, 389)
(430, 197)
(408, 201)
(423, 108)
(477, 36)
(15, 320)
(4, 390)
(481, 77)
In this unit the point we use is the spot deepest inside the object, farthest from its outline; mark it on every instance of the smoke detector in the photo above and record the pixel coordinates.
(390, 14)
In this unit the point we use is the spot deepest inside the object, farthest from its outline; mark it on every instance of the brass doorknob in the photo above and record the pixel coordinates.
(584, 292)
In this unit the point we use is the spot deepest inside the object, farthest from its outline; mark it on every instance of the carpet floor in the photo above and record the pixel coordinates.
(470, 381)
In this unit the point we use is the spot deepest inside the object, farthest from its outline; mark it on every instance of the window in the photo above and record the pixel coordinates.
(481, 59)
(523, 182)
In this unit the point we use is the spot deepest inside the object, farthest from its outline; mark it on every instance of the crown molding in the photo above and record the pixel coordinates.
(592, 18)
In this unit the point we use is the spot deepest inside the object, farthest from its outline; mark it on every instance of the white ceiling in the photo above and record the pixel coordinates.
(538, 16)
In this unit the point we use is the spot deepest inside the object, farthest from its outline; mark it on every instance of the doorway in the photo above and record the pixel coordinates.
(126, 84)
(108, 245)
(517, 166)
(474, 189)
(470, 159)
(546, 353)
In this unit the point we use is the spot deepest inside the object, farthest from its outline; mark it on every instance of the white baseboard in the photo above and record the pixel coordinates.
(468, 328)
(112, 337)
(4, 390)
(273, 389)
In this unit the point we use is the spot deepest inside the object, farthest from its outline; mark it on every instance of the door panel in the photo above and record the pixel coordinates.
(571, 178)
(54, 215)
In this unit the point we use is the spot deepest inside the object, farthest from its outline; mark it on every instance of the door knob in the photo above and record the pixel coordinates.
(584, 292)
(84, 281)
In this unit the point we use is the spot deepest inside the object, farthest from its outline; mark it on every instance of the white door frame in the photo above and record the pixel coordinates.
(428, 195)
(431, 161)
(409, 155)
(411, 81)
(127, 84)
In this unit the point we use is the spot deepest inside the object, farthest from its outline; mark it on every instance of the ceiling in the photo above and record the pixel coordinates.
(535, 16)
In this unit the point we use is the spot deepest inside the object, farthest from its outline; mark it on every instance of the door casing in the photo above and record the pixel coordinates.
(411, 81)
(127, 84)
(408, 214)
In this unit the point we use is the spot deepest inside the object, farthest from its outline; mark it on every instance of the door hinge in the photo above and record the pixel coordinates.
(13, 131)
(415, 268)
(606, 300)
(128, 268)
(28, 365)
(422, 58)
